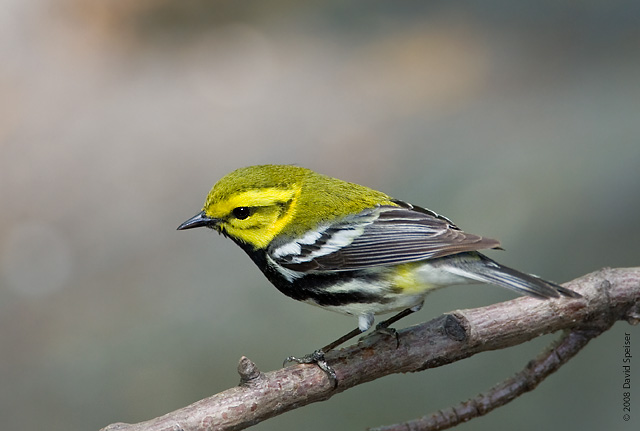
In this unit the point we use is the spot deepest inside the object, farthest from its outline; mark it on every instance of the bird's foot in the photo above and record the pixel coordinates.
(386, 331)
(318, 358)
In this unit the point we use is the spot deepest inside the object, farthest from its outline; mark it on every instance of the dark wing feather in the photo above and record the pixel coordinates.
(383, 236)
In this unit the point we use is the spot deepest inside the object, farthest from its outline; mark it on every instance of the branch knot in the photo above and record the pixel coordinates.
(249, 372)
(454, 328)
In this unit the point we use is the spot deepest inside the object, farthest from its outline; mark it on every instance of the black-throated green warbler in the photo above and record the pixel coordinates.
(348, 248)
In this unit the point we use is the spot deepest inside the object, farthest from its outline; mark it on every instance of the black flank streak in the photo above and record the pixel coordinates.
(311, 286)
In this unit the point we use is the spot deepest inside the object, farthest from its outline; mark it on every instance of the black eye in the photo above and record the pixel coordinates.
(241, 213)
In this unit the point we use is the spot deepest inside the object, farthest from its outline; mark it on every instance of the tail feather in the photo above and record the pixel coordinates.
(480, 268)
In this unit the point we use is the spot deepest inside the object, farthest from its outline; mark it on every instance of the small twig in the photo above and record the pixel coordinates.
(608, 295)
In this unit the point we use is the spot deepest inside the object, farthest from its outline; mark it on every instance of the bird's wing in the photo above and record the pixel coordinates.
(381, 236)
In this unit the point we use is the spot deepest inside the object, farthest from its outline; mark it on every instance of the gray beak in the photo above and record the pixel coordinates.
(198, 220)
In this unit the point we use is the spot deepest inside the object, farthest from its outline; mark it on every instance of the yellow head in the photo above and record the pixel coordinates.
(253, 205)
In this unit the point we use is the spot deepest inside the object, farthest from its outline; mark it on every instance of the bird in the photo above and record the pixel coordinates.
(348, 248)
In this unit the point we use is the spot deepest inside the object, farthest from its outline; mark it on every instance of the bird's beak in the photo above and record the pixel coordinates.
(198, 220)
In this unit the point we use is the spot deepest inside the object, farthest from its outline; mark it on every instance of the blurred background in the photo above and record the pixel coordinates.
(518, 120)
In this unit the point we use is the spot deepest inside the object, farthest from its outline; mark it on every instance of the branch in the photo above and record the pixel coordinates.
(608, 295)
(526, 380)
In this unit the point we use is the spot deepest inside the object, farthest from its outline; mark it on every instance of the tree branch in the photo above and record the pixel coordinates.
(608, 295)
(526, 380)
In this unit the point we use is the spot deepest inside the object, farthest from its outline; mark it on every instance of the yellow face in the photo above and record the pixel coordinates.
(254, 216)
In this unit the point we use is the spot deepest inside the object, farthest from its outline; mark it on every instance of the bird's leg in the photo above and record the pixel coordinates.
(364, 323)
(342, 340)
(393, 319)
(317, 357)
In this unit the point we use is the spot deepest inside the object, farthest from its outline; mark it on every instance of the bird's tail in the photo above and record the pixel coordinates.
(478, 267)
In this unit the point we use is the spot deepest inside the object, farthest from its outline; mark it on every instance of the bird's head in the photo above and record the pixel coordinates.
(252, 205)
(256, 204)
